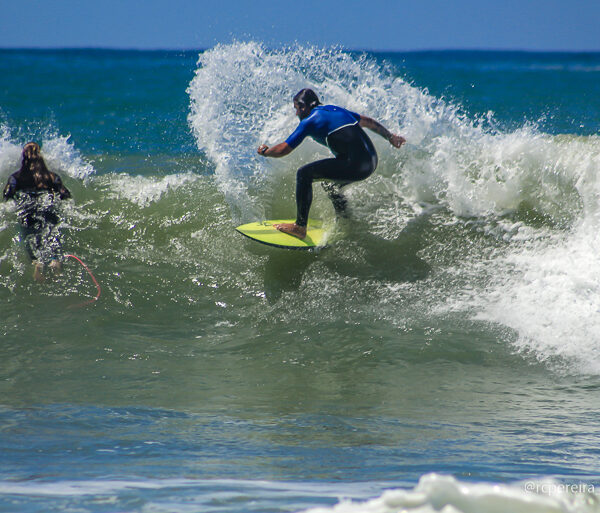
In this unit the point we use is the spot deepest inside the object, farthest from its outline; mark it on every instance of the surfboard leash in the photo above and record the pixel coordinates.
(93, 279)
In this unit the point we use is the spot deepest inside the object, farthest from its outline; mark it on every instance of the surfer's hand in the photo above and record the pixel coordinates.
(279, 150)
(396, 140)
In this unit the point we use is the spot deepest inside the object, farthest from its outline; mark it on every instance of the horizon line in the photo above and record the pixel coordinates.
(349, 49)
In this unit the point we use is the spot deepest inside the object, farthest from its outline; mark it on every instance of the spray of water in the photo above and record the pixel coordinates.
(537, 194)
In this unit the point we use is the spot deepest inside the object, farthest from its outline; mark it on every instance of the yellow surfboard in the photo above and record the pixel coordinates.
(265, 233)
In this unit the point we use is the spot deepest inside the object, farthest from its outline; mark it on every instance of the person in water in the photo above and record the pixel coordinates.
(35, 189)
(342, 132)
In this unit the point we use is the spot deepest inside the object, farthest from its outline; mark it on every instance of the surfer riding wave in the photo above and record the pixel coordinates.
(342, 132)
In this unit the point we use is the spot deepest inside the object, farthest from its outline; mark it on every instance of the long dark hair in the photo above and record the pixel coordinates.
(33, 172)
(307, 97)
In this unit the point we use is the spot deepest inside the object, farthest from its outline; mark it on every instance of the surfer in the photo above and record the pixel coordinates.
(341, 131)
(35, 189)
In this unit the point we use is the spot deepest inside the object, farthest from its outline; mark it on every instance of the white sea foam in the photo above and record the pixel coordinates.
(436, 493)
(144, 190)
(433, 493)
(62, 156)
(10, 154)
(547, 287)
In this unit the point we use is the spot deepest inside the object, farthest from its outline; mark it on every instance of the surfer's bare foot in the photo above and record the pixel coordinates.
(38, 272)
(292, 229)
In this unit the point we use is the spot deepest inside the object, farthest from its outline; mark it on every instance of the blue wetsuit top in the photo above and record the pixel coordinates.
(321, 122)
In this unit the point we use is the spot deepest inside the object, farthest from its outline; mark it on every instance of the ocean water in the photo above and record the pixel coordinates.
(441, 353)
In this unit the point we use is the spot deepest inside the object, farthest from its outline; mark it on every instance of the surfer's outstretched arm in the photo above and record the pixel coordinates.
(279, 150)
(378, 128)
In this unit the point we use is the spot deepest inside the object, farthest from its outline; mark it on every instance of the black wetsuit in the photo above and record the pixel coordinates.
(36, 211)
(355, 156)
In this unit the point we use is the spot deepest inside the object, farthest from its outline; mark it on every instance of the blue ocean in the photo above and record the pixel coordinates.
(441, 352)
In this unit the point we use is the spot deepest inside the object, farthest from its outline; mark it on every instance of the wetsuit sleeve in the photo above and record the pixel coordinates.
(354, 115)
(11, 188)
(58, 186)
(298, 135)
